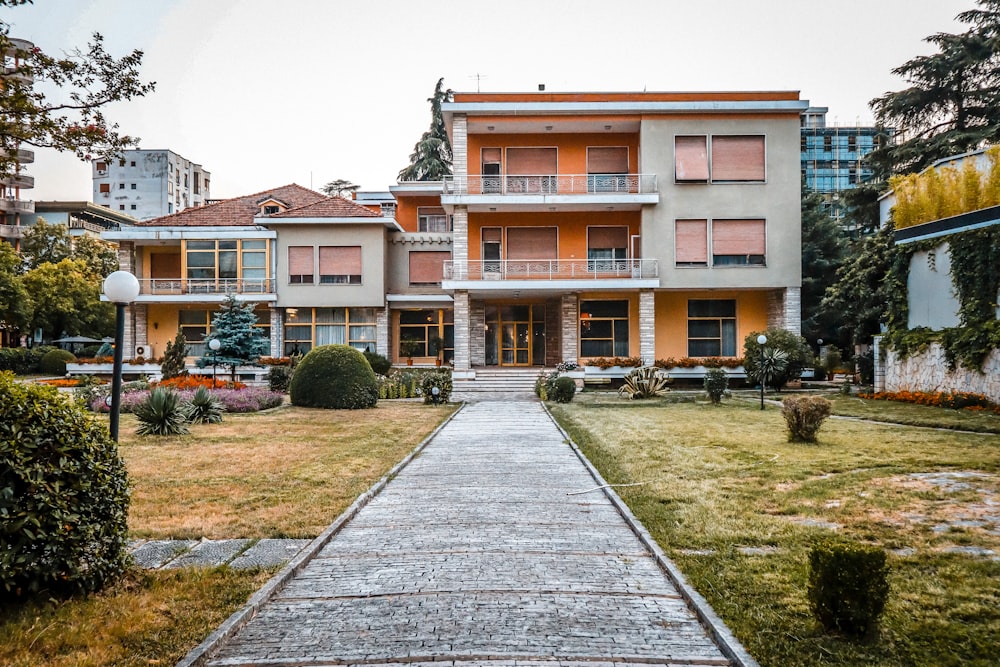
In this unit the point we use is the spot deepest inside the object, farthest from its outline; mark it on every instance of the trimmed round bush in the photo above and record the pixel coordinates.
(54, 362)
(278, 378)
(334, 377)
(379, 364)
(563, 390)
(63, 495)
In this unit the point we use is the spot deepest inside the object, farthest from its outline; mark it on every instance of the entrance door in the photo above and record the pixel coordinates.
(519, 338)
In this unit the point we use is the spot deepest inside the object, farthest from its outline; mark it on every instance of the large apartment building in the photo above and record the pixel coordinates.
(13, 203)
(148, 184)
(575, 227)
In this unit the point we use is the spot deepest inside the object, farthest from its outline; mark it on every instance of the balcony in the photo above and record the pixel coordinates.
(11, 232)
(19, 75)
(190, 289)
(541, 273)
(543, 191)
(19, 181)
(19, 155)
(11, 205)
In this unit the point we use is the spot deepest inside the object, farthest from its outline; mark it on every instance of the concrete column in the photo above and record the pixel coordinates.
(462, 349)
(570, 327)
(477, 333)
(382, 332)
(277, 332)
(647, 326)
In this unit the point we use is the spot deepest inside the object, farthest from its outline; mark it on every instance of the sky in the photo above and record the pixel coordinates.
(263, 93)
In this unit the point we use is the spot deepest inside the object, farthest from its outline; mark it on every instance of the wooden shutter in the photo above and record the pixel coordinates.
(491, 156)
(738, 237)
(427, 267)
(493, 234)
(737, 158)
(607, 160)
(690, 158)
(607, 237)
(340, 260)
(532, 243)
(300, 260)
(691, 242)
(531, 161)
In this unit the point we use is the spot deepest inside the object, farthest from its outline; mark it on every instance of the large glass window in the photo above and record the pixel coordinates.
(433, 219)
(426, 333)
(712, 328)
(306, 328)
(226, 261)
(604, 328)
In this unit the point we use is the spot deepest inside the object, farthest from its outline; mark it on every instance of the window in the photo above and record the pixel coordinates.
(427, 268)
(253, 256)
(300, 265)
(121, 207)
(208, 261)
(737, 158)
(531, 170)
(195, 325)
(101, 166)
(607, 169)
(121, 186)
(607, 248)
(105, 188)
(691, 243)
(340, 265)
(852, 142)
(133, 207)
(271, 210)
(132, 163)
(738, 242)
(307, 327)
(423, 332)
(133, 186)
(712, 328)
(121, 163)
(691, 159)
(604, 328)
(432, 219)
(490, 159)
(827, 143)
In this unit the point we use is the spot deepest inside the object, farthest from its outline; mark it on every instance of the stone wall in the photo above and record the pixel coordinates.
(928, 372)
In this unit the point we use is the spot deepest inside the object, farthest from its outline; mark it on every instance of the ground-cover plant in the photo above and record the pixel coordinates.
(251, 399)
(804, 415)
(738, 508)
(955, 400)
(63, 495)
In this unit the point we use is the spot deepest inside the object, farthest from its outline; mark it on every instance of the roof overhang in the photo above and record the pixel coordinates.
(184, 233)
(389, 223)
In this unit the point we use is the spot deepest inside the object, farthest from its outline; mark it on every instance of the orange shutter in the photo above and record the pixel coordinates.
(607, 160)
(427, 267)
(690, 159)
(300, 260)
(737, 158)
(532, 243)
(738, 237)
(340, 260)
(491, 156)
(691, 241)
(531, 161)
(607, 237)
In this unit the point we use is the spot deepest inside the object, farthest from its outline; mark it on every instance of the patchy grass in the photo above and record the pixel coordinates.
(280, 473)
(737, 507)
(148, 618)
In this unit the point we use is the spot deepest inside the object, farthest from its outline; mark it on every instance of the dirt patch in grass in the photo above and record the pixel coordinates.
(283, 473)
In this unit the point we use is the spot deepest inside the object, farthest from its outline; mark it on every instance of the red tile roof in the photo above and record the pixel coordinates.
(302, 202)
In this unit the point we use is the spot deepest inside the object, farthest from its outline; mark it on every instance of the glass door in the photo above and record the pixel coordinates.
(515, 335)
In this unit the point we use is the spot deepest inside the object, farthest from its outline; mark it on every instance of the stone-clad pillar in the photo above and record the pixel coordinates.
(462, 350)
(277, 334)
(570, 327)
(647, 326)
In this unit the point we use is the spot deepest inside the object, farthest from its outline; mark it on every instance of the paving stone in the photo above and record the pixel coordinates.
(268, 553)
(156, 553)
(209, 553)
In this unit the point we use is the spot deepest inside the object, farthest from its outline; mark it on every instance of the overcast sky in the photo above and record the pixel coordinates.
(264, 93)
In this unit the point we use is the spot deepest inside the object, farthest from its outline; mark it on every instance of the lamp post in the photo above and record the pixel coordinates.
(121, 288)
(762, 341)
(214, 345)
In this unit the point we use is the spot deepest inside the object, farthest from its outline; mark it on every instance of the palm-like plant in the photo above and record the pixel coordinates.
(162, 413)
(205, 408)
(645, 382)
(772, 364)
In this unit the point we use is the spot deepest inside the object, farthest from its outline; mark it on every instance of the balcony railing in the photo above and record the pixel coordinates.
(165, 286)
(560, 184)
(552, 269)
(11, 205)
(11, 231)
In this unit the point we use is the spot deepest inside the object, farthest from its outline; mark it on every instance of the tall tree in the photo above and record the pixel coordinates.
(67, 300)
(240, 341)
(339, 188)
(100, 257)
(15, 303)
(431, 156)
(952, 104)
(87, 82)
(43, 243)
(823, 251)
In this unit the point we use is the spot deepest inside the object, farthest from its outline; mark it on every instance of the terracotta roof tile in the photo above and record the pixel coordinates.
(328, 207)
(236, 211)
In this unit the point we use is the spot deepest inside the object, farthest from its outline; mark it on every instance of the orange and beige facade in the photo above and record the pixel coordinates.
(576, 226)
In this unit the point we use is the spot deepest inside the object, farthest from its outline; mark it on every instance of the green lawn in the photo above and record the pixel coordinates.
(737, 507)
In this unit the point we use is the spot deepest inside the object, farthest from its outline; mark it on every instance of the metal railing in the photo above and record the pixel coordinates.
(206, 286)
(552, 269)
(551, 184)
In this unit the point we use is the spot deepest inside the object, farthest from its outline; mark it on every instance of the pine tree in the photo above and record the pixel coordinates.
(173, 358)
(431, 157)
(241, 343)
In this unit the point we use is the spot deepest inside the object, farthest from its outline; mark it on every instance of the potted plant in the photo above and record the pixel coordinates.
(408, 348)
(435, 346)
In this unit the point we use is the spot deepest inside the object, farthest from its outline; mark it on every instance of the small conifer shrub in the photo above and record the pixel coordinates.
(716, 384)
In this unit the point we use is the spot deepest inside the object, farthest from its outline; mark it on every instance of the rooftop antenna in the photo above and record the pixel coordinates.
(478, 77)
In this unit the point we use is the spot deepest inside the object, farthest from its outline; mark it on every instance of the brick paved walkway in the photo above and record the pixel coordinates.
(483, 551)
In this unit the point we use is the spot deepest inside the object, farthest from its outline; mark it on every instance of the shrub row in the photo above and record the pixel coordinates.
(953, 400)
(22, 360)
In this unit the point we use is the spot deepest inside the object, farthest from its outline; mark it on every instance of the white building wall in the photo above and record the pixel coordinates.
(930, 292)
(150, 183)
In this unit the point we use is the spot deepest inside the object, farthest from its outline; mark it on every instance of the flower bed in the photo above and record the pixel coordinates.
(183, 382)
(66, 382)
(952, 400)
(250, 399)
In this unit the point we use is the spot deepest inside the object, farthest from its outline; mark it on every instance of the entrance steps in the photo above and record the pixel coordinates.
(497, 384)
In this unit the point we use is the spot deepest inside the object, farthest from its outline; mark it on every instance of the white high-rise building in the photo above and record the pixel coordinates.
(148, 184)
